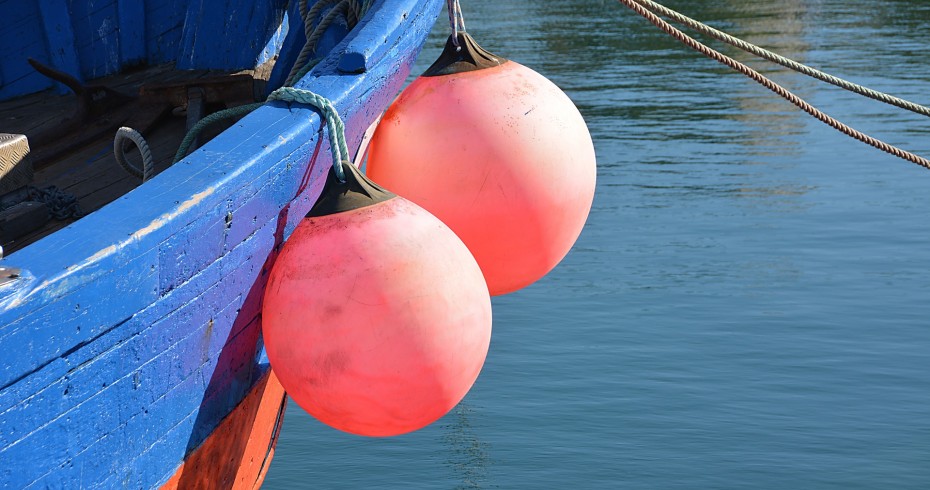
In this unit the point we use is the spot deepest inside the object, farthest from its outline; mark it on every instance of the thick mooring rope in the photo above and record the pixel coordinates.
(636, 6)
(337, 129)
(781, 60)
(126, 135)
(224, 115)
(334, 124)
(351, 9)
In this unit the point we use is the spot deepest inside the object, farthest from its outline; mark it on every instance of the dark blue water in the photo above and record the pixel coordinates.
(749, 303)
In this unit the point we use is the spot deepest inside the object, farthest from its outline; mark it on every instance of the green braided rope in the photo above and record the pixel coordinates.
(214, 118)
(337, 129)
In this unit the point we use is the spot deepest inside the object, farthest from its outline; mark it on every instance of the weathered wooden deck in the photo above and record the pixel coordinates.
(90, 172)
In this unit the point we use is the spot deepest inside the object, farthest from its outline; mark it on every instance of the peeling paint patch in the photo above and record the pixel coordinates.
(156, 224)
(161, 220)
(93, 258)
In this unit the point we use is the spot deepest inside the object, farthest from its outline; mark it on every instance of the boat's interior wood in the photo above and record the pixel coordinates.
(90, 39)
(90, 172)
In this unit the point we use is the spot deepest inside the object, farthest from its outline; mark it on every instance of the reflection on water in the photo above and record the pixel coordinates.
(747, 306)
(779, 27)
(467, 455)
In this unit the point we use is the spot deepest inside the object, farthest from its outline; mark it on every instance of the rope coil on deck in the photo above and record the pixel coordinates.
(128, 135)
(61, 205)
(638, 7)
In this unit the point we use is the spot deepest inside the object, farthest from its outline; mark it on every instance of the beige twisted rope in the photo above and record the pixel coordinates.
(781, 60)
(774, 87)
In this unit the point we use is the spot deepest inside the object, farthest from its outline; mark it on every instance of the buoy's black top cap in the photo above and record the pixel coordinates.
(467, 56)
(356, 192)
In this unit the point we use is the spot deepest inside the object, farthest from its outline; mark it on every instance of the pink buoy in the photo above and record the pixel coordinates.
(376, 318)
(497, 152)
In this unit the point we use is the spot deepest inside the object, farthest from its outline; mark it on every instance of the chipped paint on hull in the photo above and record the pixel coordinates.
(237, 454)
(134, 335)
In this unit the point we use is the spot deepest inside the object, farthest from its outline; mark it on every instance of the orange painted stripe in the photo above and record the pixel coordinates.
(237, 454)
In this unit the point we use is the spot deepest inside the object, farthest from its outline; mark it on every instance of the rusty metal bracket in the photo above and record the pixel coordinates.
(230, 90)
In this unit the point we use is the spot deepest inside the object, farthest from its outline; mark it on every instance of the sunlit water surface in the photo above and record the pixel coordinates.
(749, 303)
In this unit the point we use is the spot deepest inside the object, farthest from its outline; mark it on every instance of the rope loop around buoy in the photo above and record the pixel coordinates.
(638, 7)
(337, 129)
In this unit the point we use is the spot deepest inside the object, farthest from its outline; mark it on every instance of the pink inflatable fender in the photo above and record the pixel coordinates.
(376, 319)
(501, 155)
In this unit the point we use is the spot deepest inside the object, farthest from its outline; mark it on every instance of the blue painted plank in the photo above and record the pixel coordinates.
(294, 42)
(96, 30)
(265, 31)
(290, 47)
(131, 31)
(60, 38)
(164, 21)
(121, 366)
(15, 474)
(81, 378)
(109, 463)
(78, 315)
(114, 406)
(87, 380)
(22, 36)
(254, 24)
(360, 53)
(151, 465)
(232, 375)
(274, 45)
(193, 248)
(207, 372)
(193, 19)
(168, 356)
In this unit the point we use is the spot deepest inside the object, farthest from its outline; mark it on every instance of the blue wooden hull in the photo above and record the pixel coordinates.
(130, 335)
